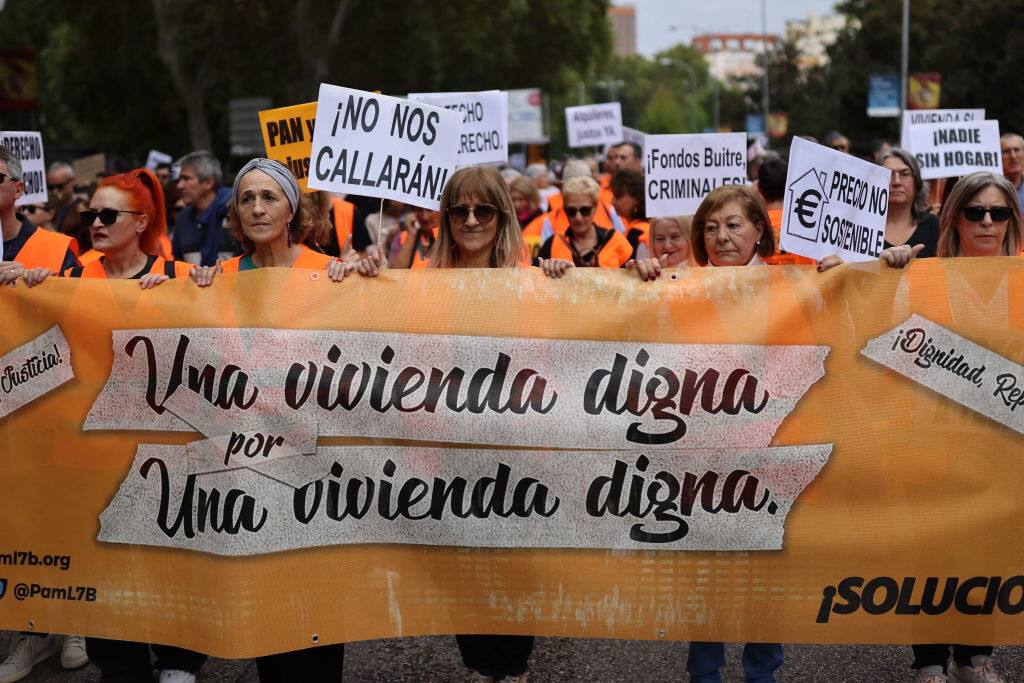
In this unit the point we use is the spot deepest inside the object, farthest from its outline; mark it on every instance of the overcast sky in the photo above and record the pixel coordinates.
(655, 18)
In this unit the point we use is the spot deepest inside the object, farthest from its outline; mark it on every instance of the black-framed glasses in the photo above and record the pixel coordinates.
(106, 216)
(32, 208)
(3, 177)
(975, 214)
(584, 211)
(483, 212)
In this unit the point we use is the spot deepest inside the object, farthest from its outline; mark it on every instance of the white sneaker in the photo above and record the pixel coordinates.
(26, 652)
(72, 654)
(176, 676)
(981, 671)
(930, 674)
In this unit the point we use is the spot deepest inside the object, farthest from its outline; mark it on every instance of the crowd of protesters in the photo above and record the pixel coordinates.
(189, 221)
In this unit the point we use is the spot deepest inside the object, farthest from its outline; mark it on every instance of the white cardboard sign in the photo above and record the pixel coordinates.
(594, 124)
(34, 369)
(484, 137)
(945, 150)
(380, 146)
(923, 116)
(28, 147)
(156, 158)
(682, 169)
(835, 204)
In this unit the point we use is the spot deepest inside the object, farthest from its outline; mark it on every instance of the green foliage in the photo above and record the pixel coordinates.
(104, 87)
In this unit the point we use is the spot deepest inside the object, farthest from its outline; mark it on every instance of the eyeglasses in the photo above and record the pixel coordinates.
(584, 211)
(106, 216)
(31, 209)
(61, 186)
(975, 214)
(904, 174)
(3, 177)
(483, 212)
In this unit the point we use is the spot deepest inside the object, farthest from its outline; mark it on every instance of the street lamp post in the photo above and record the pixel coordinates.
(716, 114)
(692, 78)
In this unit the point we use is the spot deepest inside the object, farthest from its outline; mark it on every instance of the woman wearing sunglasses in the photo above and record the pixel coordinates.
(584, 244)
(126, 220)
(981, 217)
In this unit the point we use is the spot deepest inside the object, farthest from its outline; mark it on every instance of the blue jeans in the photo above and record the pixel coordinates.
(760, 662)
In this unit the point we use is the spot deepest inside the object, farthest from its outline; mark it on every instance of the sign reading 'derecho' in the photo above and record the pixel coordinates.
(682, 169)
(28, 147)
(484, 136)
(471, 390)
(835, 204)
(594, 124)
(946, 150)
(380, 146)
(924, 116)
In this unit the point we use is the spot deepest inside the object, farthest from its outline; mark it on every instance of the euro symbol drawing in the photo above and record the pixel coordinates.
(806, 206)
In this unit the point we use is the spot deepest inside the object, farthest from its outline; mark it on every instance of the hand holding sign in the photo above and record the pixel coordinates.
(380, 146)
(835, 205)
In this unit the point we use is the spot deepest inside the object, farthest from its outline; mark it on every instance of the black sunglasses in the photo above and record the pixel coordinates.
(106, 216)
(976, 213)
(483, 212)
(32, 208)
(584, 211)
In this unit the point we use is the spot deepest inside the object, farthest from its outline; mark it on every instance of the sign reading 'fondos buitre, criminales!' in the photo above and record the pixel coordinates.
(682, 169)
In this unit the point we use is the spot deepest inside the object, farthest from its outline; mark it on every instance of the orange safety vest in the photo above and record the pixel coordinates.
(94, 269)
(616, 251)
(344, 215)
(164, 249)
(91, 255)
(416, 258)
(45, 249)
(532, 235)
(308, 259)
(781, 258)
(643, 226)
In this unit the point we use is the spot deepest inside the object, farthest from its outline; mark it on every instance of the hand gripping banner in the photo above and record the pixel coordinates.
(764, 454)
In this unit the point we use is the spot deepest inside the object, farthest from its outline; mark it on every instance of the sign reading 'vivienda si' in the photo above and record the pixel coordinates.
(380, 146)
(835, 204)
(484, 136)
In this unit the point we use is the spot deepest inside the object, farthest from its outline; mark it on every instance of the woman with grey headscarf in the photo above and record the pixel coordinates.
(909, 220)
(272, 219)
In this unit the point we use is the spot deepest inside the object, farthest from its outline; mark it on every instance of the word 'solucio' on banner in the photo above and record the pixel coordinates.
(947, 150)
(484, 137)
(288, 138)
(380, 146)
(682, 169)
(594, 124)
(835, 204)
(28, 147)
(923, 116)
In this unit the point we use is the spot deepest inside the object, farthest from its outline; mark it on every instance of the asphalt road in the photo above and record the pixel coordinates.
(574, 659)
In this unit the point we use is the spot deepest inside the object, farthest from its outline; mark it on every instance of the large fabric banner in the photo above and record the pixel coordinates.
(739, 454)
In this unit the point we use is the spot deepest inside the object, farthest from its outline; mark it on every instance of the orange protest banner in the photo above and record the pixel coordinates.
(742, 454)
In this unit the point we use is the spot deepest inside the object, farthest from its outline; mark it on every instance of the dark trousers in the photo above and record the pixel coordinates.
(937, 655)
(312, 665)
(125, 661)
(496, 656)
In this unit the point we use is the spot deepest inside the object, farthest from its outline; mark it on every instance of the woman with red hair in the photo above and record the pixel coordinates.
(127, 221)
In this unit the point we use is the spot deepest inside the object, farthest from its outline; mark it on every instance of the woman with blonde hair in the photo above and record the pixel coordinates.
(478, 227)
(981, 217)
